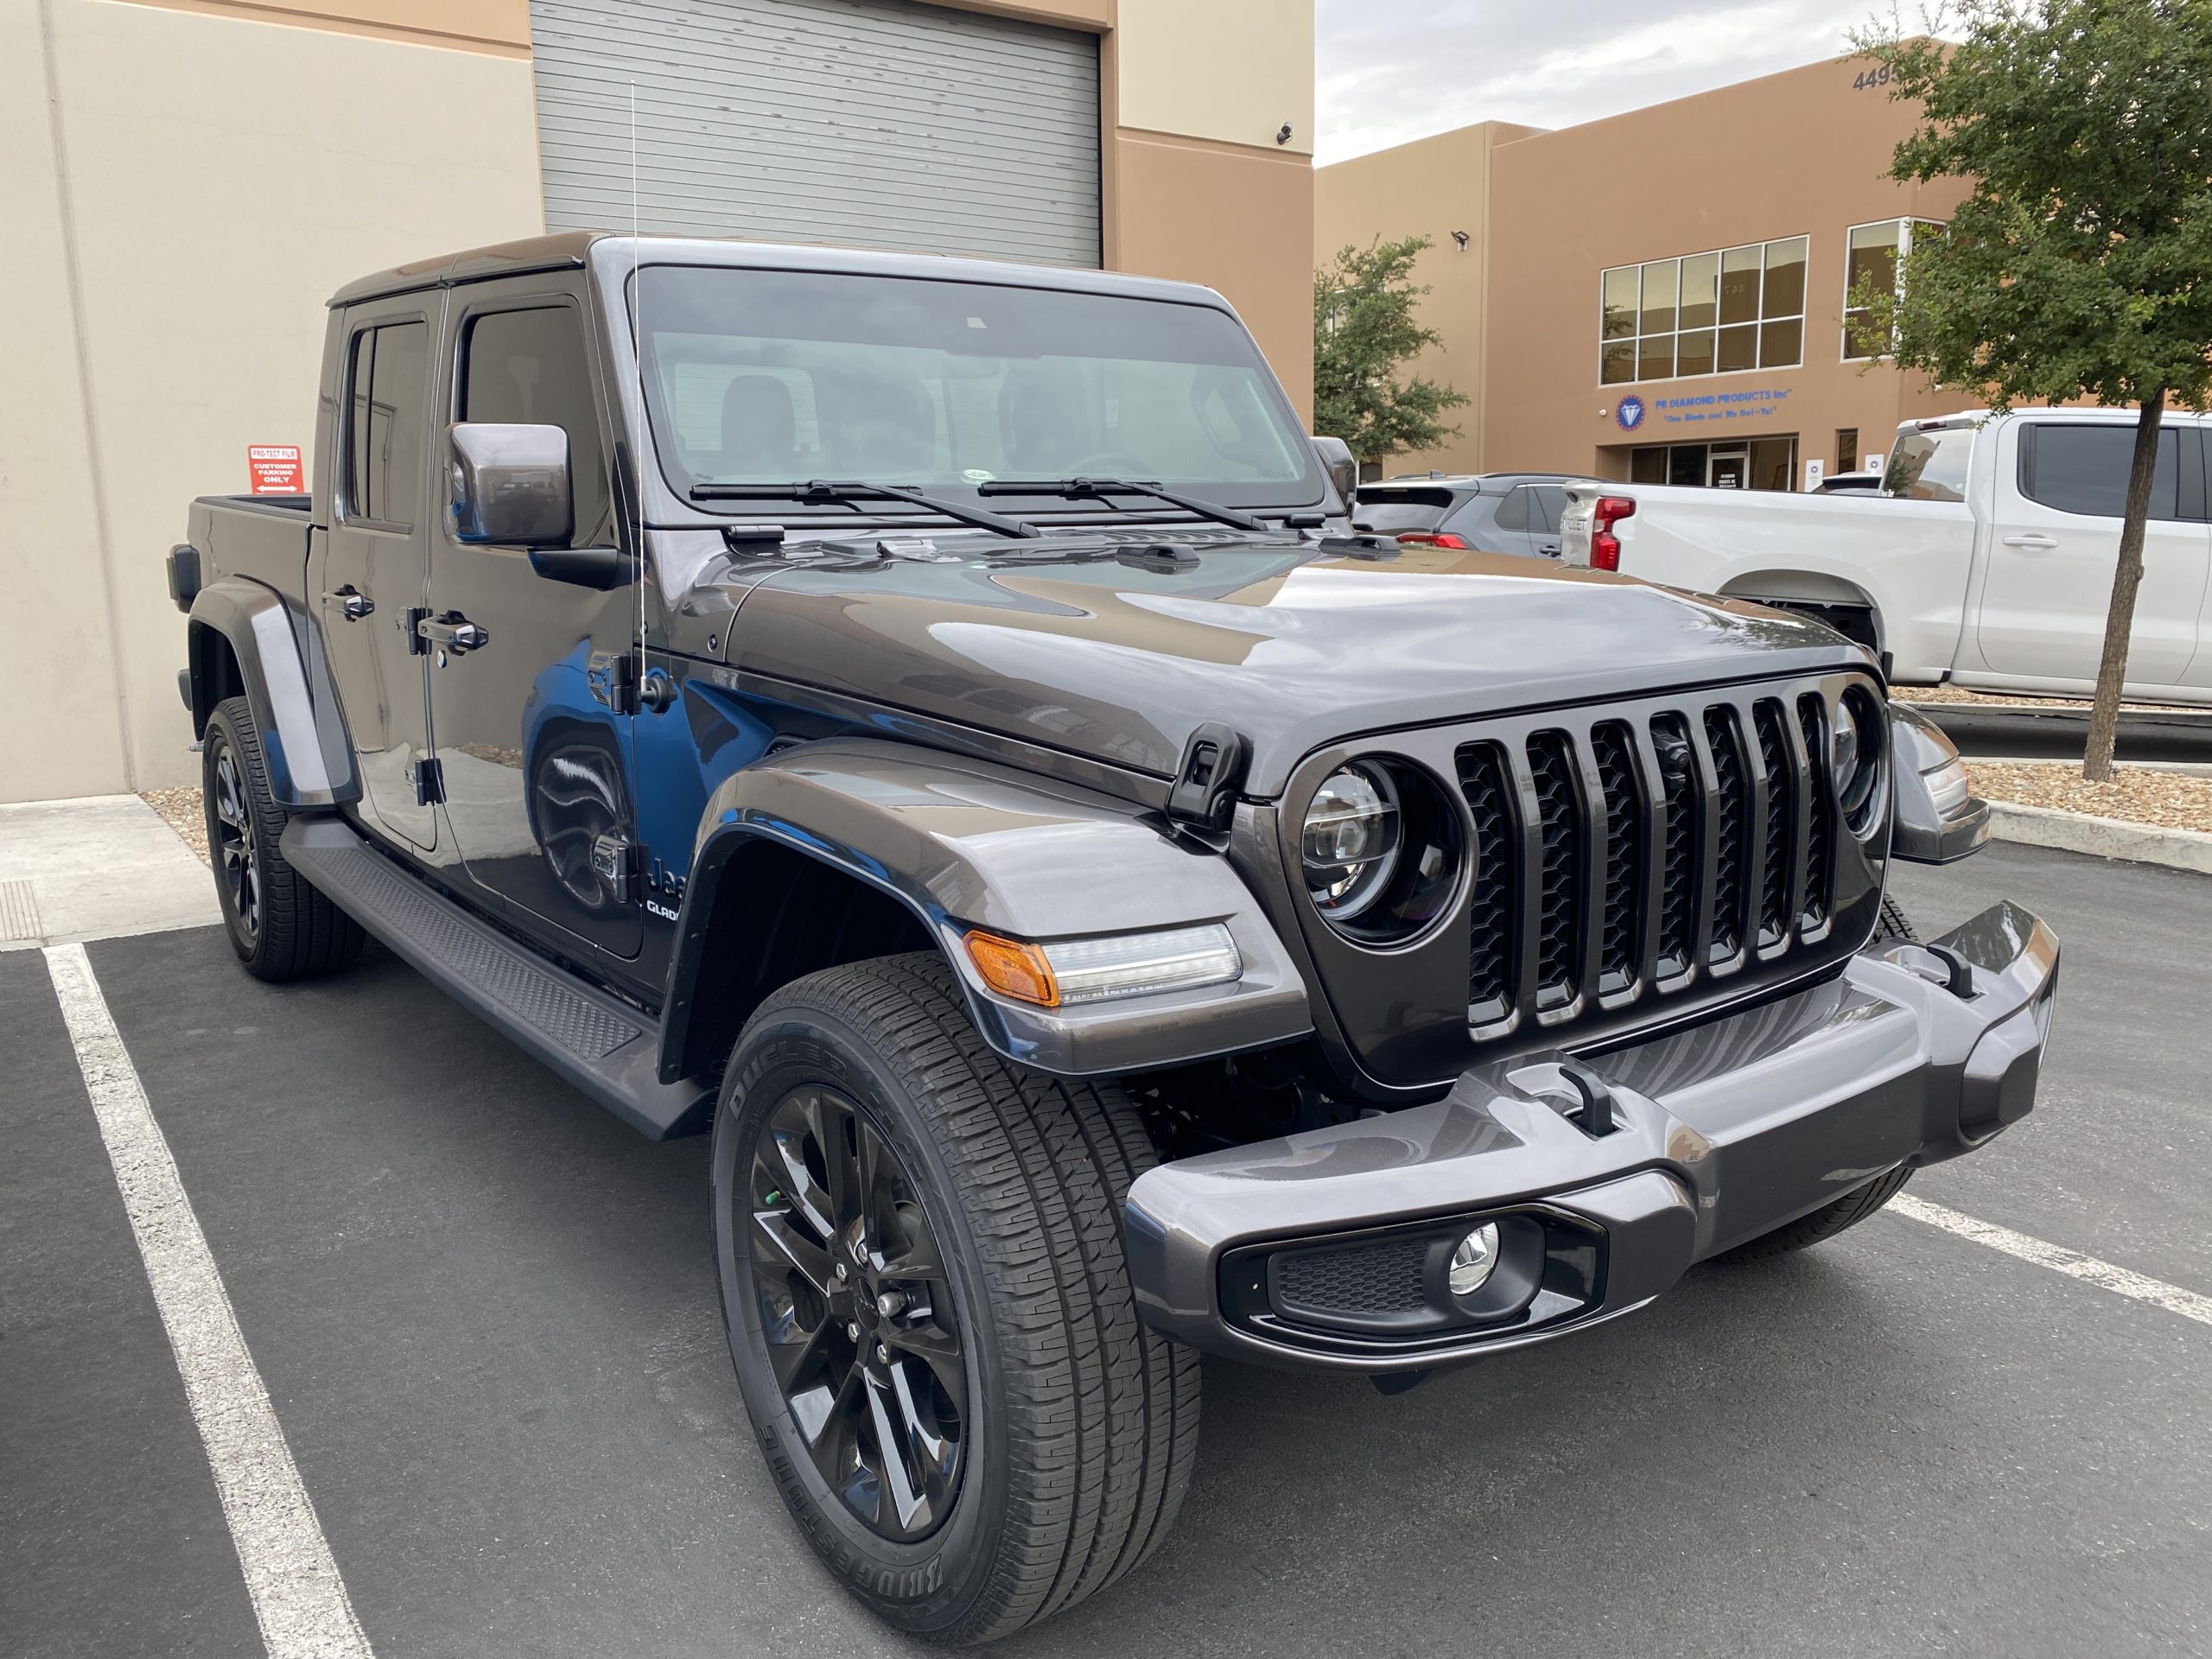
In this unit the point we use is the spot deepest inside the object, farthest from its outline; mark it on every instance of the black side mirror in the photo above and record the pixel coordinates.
(511, 484)
(1337, 461)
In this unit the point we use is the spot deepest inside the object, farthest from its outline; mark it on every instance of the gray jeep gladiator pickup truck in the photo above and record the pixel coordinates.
(930, 724)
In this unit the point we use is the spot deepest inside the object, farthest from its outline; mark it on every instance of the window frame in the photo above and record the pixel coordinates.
(491, 300)
(2190, 466)
(1906, 224)
(343, 504)
(1634, 341)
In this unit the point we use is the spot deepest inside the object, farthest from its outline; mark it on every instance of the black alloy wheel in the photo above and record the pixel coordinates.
(232, 846)
(281, 927)
(859, 1320)
(918, 1247)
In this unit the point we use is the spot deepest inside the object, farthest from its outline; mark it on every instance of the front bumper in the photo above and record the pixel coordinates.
(1328, 1249)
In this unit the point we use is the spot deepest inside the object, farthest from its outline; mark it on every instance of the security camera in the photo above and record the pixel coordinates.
(1460, 236)
(1282, 133)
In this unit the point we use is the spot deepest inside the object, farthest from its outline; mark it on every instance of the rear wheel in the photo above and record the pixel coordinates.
(919, 1250)
(281, 927)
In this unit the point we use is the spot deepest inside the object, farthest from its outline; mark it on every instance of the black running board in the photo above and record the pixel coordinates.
(598, 1043)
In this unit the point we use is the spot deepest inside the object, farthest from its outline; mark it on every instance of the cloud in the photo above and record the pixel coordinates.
(1389, 71)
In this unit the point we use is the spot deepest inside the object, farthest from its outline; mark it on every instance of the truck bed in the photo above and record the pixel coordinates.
(262, 537)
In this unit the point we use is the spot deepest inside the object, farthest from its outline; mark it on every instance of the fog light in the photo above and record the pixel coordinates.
(1473, 1260)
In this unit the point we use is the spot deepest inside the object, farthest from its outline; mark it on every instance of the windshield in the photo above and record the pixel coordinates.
(761, 377)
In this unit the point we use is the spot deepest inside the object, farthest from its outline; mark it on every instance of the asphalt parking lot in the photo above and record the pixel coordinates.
(484, 1311)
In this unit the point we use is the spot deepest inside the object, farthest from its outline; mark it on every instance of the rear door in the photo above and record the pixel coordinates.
(2054, 544)
(533, 727)
(1511, 526)
(1547, 502)
(376, 556)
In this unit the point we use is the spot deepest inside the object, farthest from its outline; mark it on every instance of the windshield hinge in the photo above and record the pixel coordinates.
(1208, 777)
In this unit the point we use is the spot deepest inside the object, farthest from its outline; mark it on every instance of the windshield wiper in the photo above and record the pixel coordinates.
(818, 489)
(1082, 489)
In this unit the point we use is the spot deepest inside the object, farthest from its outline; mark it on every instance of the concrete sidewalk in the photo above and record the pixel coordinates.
(95, 868)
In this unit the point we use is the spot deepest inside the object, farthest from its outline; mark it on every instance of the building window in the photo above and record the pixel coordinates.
(1747, 464)
(1716, 313)
(1846, 449)
(1873, 255)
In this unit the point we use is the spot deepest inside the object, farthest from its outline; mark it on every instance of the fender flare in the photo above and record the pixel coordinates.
(966, 842)
(281, 674)
(1925, 833)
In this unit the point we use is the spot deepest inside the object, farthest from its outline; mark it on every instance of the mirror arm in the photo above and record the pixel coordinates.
(602, 568)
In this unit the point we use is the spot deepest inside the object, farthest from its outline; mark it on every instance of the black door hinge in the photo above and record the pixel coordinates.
(615, 863)
(409, 621)
(429, 782)
(612, 677)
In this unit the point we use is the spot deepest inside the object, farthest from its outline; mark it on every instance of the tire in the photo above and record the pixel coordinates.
(282, 927)
(1895, 923)
(1077, 1429)
(1824, 1223)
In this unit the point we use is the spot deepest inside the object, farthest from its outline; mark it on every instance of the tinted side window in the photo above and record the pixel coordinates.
(2084, 469)
(391, 374)
(1513, 511)
(1551, 501)
(529, 368)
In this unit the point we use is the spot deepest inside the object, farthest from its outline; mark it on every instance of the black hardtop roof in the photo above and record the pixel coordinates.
(573, 249)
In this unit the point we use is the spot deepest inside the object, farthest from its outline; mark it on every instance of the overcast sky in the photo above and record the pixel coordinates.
(1391, 70)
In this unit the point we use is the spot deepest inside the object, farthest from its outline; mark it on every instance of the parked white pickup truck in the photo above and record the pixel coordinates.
(1986, 559)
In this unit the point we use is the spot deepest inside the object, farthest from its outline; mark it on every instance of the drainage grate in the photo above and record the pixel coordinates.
(19, 912)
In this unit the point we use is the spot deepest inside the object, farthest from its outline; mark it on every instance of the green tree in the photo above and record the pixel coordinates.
(1363, 328)
(2080, 264)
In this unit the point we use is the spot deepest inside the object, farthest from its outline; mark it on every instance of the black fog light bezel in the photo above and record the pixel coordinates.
(1551, 1268)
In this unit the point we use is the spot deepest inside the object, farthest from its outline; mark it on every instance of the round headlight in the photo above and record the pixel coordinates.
(1349, 844)
(1855, 751)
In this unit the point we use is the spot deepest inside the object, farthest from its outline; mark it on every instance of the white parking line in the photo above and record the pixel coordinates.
(2072, 1263)
(298, 1597)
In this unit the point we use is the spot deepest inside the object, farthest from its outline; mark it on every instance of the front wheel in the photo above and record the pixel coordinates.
(920, 1257)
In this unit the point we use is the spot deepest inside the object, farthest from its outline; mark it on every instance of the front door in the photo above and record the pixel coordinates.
(2054, 544)
(375, 559)
(1728, 470)
(533, 729)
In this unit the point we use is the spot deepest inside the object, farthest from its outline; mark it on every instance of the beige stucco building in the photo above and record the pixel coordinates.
(1661, 293)
(185, 181)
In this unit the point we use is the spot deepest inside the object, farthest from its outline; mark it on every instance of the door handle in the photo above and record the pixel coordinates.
(455, 632)
(353, 604)
(2033, 540)
(1549, 549)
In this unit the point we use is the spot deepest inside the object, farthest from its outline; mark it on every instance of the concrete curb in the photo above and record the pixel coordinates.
(2078, 832)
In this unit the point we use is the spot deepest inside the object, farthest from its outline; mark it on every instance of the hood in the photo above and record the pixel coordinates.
(1285, 641)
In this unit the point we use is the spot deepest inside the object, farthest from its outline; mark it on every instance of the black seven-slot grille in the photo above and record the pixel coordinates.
(1614, 856)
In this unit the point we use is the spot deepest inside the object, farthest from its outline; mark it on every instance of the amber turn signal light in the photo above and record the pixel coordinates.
(1013, 968)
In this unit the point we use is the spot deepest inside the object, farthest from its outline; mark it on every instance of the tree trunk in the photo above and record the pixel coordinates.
(2127, 577)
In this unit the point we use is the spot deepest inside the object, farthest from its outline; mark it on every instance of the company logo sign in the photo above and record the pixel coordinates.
(1629, 412)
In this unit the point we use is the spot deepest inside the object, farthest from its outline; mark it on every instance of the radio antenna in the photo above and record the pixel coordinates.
(638, 357)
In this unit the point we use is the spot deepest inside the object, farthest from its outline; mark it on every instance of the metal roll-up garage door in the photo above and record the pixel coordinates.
(872, 123)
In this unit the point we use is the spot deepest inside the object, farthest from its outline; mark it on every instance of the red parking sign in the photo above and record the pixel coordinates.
(275, 469)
